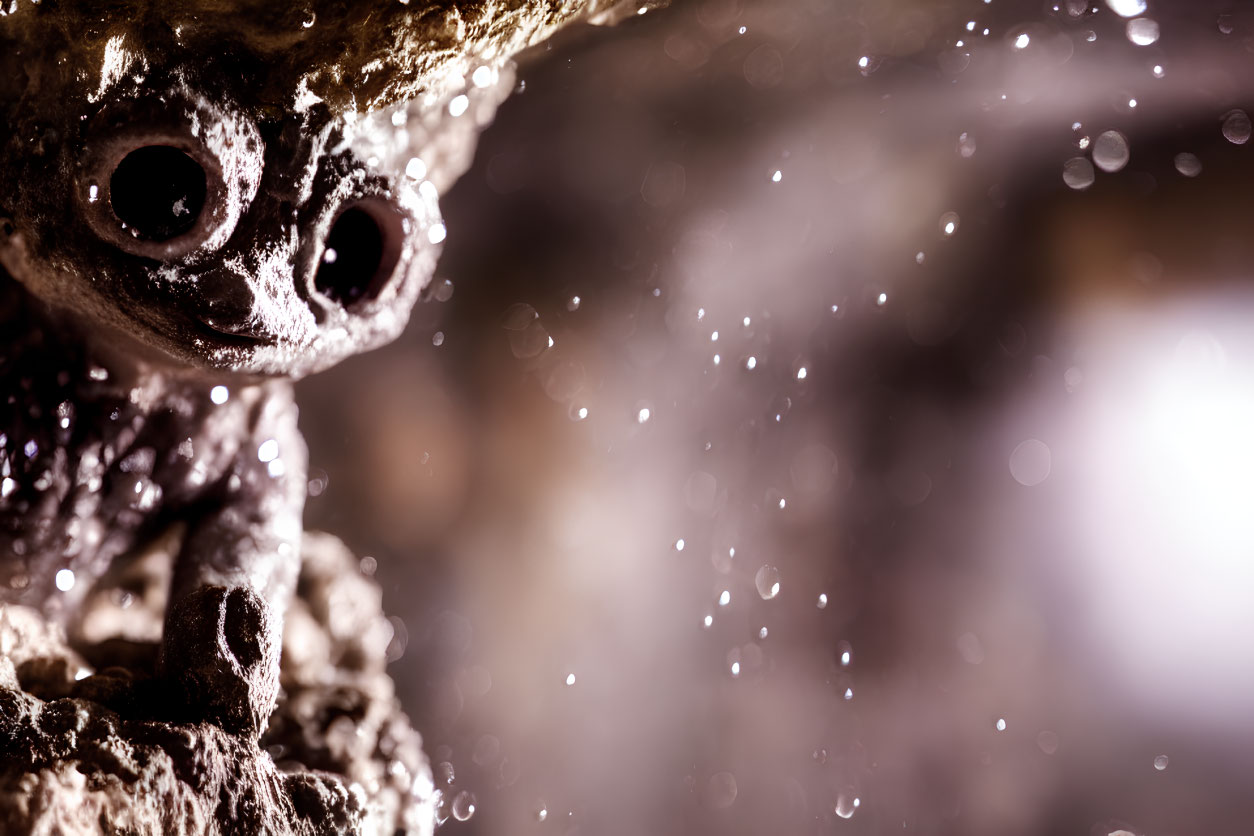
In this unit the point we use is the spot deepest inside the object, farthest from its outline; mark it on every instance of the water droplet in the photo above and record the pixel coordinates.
(777, 176)
(882, 298)
(578, 412)
(767, 582)
(1160, 762)
(1143, 31)
(1236, 127)
(724, 598)
(846, 653)
(643, 415)
(570, 679)
(542, 811)
(1110, 151)
(949, 223)
(966, 145)
(735, 669)
(458, 105)
(1001, 724)
(847, 803)
(819, 756)
(1030, 462)
(801, 373)
(848, 693)
(708, 620)
(1188, 164)
(268, 451)
(64, 579)
(463, 806)
(822, 600)
(482, 76)
(751, 363)
(443, 290)
(572, 304)
(219, 395)
(1021, 41)
(720, 790)
(763, 633)
(437, 233)
(679, 544)
(437, 339)
(1127, 8)
(1078, 173)
(527, 337)
(1158, 71)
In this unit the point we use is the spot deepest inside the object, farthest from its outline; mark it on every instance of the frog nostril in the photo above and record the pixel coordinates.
(158, 192)
(360, 252)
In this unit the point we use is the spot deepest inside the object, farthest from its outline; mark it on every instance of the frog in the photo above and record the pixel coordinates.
(201, 203)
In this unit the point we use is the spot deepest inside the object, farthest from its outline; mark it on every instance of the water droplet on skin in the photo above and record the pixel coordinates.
(1022, 40)
(724, 598)
(1188, 164)
(1236, 127)
(767, 582)
(846, 653)
(708, 620)
(542, 811)
(1110, 151)
(679, 544)
(572, 304)
(1001, 724)
(1078, 173)
(1143, 31)
(570, 679)
(720, 790)
(1160, 763)
(822, 600)
(463, 806)
(437, 339)
(643, 415)
(1158, 71)
(777, 176)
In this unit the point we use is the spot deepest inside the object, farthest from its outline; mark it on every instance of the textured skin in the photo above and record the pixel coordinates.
(145, 379)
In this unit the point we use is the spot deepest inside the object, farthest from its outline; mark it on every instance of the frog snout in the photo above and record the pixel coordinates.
(360, 251)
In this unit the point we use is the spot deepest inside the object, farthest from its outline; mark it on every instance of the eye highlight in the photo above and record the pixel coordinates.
(158, 192)
(360, 253)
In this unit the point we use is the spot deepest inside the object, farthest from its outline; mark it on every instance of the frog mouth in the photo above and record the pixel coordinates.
(223, 336)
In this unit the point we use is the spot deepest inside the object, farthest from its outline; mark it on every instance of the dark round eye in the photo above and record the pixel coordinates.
(158, 192)
(360, 252)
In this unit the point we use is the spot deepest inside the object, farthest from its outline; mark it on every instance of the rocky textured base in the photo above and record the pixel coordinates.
(85, 752)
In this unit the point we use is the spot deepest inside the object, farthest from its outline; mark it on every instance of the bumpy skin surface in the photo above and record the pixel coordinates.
(144, 376)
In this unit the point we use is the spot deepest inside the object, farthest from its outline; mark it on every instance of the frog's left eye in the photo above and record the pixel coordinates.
(158, 192)
(154, 195)
(361, 251)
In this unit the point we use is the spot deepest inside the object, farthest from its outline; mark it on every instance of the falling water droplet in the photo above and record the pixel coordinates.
(847, 803)
(1110, 151)
(1236, 127)
(463, 806)
(1188, 164)
(1078, 173)
(1143, 31)
(1160, 762)
(949, 223)
(767, 582)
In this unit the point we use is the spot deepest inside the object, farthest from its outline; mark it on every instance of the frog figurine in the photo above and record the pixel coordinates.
(200, 203)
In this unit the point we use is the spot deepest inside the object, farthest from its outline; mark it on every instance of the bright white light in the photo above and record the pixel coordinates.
(1022, 41)
(1127, 8)
(679, 544)
(708, 620)
(65, 580)
(1001, 724)
(735, 669)
(822, 600)
(481, 77)
(844, 658)
(219, 395)
(268, 451)
(458, 105)
(643, 415)
(724, 599)
(415, 169)
(751, 363)
(437, 233)
(775, 178)
(864, 61)
(570, 679)
(801, 373)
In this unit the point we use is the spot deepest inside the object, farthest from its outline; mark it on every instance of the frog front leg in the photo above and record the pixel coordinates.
(233, 579)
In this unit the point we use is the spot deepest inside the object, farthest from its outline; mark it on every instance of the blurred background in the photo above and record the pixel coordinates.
(831, 416)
